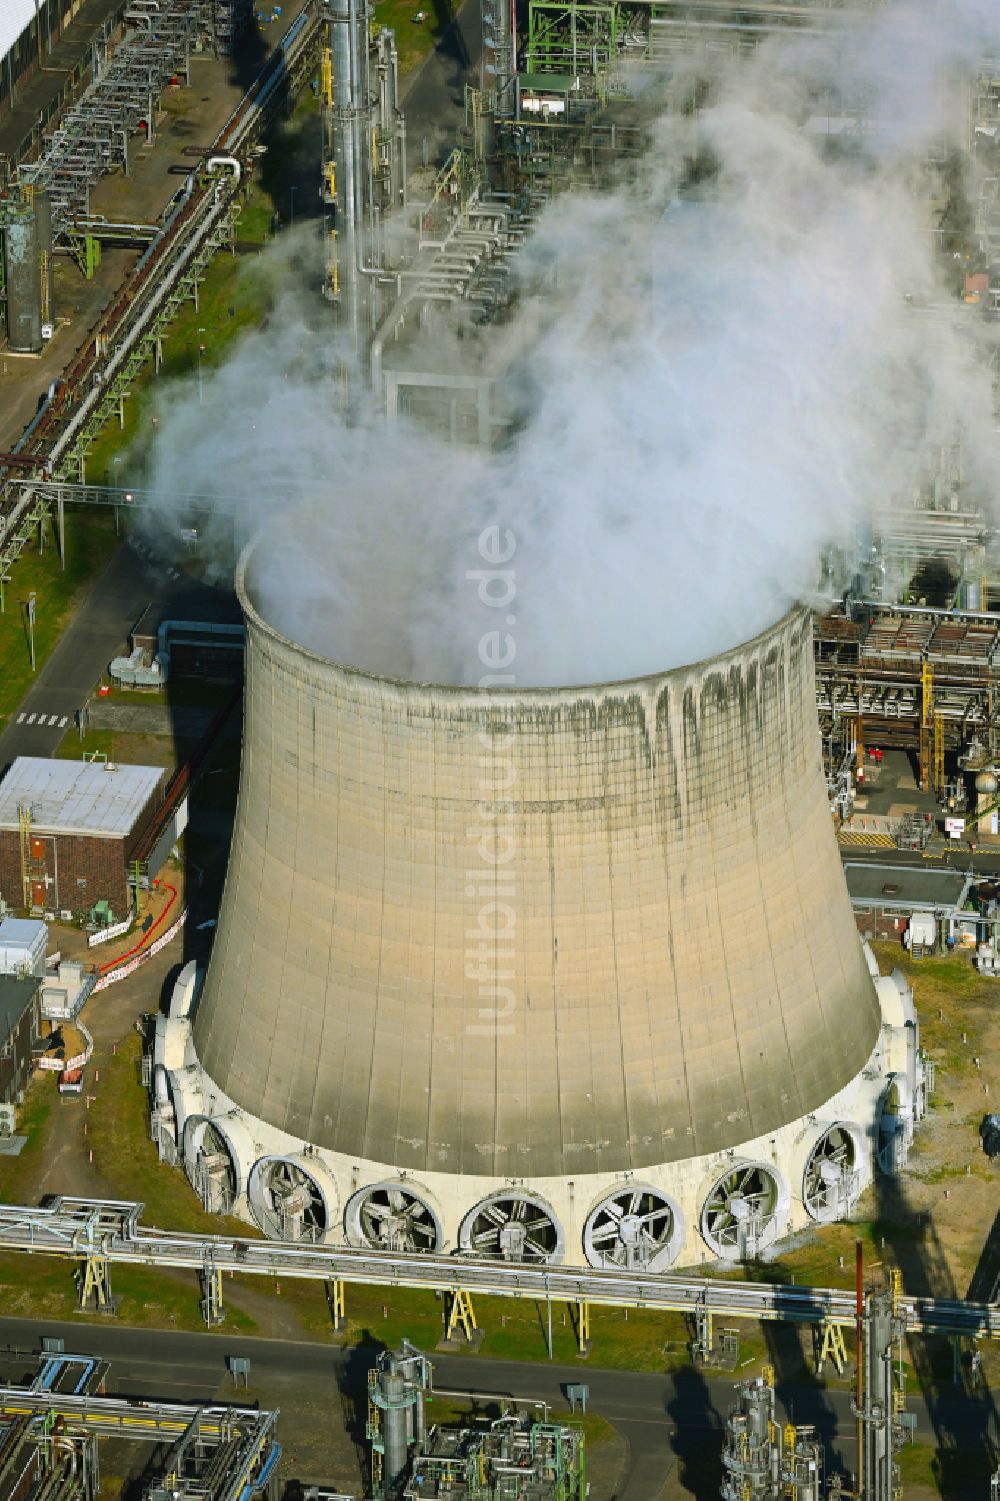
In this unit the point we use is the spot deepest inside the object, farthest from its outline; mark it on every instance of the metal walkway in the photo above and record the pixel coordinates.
(109, 1232)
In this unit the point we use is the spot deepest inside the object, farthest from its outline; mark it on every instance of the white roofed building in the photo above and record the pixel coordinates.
(68, 830)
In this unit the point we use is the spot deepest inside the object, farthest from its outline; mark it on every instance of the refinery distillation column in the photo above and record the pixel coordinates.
(26, 269)
(363, 161)
(881, 1409)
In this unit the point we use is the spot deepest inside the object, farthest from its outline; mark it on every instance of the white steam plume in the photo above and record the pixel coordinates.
(713, 397)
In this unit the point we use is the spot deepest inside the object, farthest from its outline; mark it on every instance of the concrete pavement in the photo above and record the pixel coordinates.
(434, 95)
(97, 632)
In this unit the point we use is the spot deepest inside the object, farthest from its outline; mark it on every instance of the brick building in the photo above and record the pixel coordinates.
(68, 830)
(19, 1028)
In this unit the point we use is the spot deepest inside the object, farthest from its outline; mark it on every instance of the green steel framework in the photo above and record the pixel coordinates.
(567, 38)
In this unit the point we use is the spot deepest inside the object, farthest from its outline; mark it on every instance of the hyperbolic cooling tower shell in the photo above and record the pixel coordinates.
(683, 967)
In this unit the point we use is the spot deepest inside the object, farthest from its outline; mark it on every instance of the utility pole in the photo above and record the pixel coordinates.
(201, 388)
(31, 627)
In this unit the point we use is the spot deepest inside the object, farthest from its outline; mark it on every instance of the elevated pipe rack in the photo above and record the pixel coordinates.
(81, 1229)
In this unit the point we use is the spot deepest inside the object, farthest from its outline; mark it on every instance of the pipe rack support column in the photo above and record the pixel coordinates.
(95, 1282)
(703, 1333)
(831, 1347)
(211, 1285)
(460, 1313)
(337, 1303)
(583, 1327)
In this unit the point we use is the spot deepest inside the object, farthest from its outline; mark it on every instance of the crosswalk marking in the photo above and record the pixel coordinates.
(43, 721)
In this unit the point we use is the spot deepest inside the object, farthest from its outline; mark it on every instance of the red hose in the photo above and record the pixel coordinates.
(114, 963)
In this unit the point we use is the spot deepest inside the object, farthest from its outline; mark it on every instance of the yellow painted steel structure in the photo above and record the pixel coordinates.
(337, 1302)
(583, 1326)
(24, 830)
(461, 1315)
(832, 1348)
(926, 725)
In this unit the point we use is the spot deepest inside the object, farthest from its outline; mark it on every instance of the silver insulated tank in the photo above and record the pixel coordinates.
(27, 248)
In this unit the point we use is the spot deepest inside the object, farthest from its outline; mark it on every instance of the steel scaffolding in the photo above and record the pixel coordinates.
(763, 1461)
(93, 137)
(510, 1458)
(49, 1430)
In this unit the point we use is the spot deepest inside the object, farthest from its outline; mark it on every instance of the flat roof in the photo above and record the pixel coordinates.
(15, 998)
(15, 17)
(910, 886)
(22, 932)
(77, 797)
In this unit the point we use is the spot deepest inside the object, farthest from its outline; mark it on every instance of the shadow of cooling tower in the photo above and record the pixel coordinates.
(963, 1414)
(698, 1435)
(985, 1284)
(800, 1395)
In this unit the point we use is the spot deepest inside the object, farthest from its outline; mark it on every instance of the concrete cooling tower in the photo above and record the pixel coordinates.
(544, 974)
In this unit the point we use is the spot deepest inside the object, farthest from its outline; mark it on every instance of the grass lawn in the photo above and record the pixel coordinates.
(231, 299)
(415, 39)
(18, 1175)
(146, 1298)
(130, 1169)
(181, 693)
(135, 1171)
(135, 750)
(514, 1329)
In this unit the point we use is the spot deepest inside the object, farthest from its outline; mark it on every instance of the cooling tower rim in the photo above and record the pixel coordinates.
(458, 691)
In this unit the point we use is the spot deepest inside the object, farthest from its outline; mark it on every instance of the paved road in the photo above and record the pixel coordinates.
(99, 631)
(664, 1418)
(434, 96)
(645, 1408)
(96, 633)
(985, 861)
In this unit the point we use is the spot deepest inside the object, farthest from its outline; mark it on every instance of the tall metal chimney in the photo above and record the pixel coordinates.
(363, 163)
